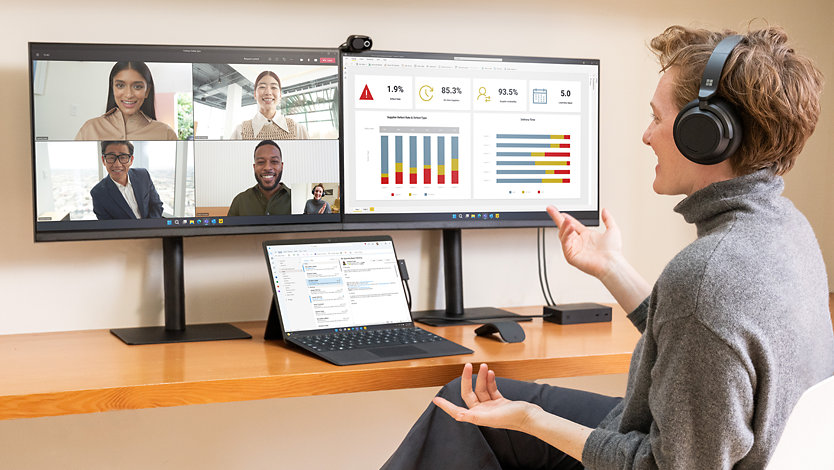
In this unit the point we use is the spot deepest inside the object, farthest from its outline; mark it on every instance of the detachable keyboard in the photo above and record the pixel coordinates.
(359, 339)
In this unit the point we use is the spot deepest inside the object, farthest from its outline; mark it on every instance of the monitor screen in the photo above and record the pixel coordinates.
(139, 141)
(461, 141)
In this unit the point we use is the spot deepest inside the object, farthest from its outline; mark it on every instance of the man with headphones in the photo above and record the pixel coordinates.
(735, 328)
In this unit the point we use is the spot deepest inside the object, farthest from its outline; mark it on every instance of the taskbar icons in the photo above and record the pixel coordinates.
(195, 222)
(476, 216)
(467, 216)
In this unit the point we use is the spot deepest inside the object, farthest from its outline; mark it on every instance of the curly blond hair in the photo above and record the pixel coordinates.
(775, 90)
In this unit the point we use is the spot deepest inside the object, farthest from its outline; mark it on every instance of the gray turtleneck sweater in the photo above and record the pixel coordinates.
(736, 328)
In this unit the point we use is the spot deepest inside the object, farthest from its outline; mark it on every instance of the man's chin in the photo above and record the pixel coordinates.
(266, 188)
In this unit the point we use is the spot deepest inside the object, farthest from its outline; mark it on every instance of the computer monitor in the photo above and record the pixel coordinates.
(457, 141)
(132, 141)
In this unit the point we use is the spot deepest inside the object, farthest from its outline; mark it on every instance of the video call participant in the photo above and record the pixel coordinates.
(269, 196)
(269, 123)
(317, 205)
(125, 193)
(130, 114)
(736, 327)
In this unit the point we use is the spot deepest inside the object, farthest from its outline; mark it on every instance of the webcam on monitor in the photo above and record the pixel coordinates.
(357, 43)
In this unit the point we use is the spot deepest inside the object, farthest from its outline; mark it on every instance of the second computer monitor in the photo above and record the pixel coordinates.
(462, 141)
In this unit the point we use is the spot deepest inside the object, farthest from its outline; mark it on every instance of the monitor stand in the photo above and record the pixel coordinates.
(175, 330)
(455, 314)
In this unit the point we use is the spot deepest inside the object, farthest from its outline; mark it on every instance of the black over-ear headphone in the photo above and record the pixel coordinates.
(708, 129)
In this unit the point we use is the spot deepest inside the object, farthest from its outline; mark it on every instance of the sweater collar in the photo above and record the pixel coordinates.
(140, 117)
(742, 193)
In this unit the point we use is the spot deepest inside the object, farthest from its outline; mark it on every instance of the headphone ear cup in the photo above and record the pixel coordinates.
(732, 126)
(707, 136)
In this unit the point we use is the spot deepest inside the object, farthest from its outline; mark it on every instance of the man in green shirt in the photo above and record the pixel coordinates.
(269, 196)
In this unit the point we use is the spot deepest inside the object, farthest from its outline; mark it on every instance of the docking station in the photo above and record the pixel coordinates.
(571, 314)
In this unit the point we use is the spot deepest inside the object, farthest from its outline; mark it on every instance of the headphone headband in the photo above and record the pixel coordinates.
(715, 65)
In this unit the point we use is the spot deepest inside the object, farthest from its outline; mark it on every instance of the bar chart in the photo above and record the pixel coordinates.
(437, 148)
(533, 158)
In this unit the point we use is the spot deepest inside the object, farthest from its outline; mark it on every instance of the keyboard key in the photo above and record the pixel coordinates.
(367, 338)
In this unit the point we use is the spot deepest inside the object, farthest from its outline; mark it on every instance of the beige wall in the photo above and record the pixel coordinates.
(103, 284)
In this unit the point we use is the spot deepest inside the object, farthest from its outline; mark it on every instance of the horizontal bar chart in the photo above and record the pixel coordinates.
(535, 145)
(535, 162)
(532, 154)
(533, 172)
(520, 158)
(527, 180)
(533, 136)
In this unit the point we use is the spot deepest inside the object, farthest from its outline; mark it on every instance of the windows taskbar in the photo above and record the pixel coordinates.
(65, 229)
(63, 225)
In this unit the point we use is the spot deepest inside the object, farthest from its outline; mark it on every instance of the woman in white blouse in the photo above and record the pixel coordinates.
(268, 122)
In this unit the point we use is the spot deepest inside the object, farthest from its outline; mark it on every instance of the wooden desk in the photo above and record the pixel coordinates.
(52, 374)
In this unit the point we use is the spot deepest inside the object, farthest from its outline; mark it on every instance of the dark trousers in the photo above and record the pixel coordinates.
(436, 441)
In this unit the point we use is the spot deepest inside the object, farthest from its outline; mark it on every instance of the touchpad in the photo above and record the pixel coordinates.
(396, 351)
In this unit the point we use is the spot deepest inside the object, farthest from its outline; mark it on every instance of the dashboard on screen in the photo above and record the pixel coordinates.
(448, 140)
(184, 123)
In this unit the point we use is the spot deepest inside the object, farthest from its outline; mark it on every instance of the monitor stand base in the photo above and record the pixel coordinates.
(471, 316)
(192, 333)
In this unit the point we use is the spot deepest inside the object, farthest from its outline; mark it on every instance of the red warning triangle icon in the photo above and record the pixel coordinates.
(366, 94)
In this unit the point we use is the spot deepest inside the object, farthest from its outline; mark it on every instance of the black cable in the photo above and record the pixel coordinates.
(404, 276)
(407, 293)
(544, 266)
(539, 262)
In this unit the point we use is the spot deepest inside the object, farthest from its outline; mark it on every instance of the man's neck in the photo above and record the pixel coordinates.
(268, 194)
(123, 182)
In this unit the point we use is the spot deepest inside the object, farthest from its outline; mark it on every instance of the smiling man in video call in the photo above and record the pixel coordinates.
(125, 193)
(269, 196)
